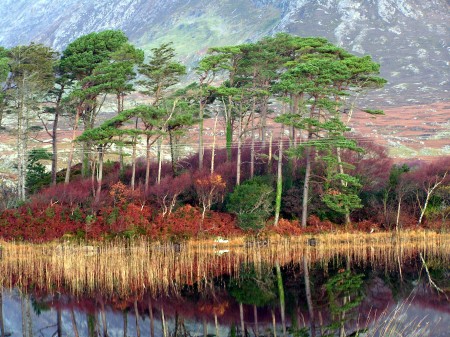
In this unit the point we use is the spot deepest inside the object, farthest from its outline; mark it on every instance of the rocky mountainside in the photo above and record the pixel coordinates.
(408, 37)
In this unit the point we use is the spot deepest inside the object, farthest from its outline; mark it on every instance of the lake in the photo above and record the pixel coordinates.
(379, 284)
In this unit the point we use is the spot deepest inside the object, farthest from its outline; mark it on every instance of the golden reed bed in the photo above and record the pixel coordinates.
(121, 268)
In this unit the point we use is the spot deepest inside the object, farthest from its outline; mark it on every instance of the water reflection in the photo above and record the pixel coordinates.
(374, 286)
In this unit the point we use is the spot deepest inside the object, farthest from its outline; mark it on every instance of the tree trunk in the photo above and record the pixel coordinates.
(241, 315)
(429, 191)
(309, 297)
(58, 322)
(274, 323)
(160, 155)
(100, 173)
(27, 324)
(55, 138)
(136, 312)
(152, 321)
(397, 222)
(22, 127)
(424, 208)
(200, 135)
(252, 146)
(255, 315)
(281, 295)
(121, 160)
(120, 98)
(172, 155)
(163, 322)
(24, 317)
(30, 321)
(306, 187)
(238, 159)
(263, 120)
(104, 322)
(229, 139)
(269, 160)
(74, 323)
(216, 323)
(72, 146)
(205, 328)
(133, 160)
(147, 164)
(125, 323)
(343, 183)
(2, 325)
(279, 179)
(85, 158)
(213, 151)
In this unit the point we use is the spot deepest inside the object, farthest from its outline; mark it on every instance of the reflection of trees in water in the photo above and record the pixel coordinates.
(239, 289)
(255, 286)
(2, 324)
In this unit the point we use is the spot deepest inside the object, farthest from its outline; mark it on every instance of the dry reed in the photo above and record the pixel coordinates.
(123, 269)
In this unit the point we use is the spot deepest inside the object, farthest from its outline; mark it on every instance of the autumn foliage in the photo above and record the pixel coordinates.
(188, 204)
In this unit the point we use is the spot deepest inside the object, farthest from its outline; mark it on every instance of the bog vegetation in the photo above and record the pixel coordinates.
(307, 173)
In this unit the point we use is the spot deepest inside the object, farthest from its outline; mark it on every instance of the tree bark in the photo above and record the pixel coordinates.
(74, 323)
(22, 126)
(2, 325)
(306, 187)
(172, 154)
(216, 323)
(205, 328)
(279, 179)
(125, 323)
(103, 317)
(200, 133)
(252, 146)
(152, 322)
(343, 183)
(160, 154)
(263, 120)
(58, 321)
(255, 315)
(274, 323)
(239, 151)
(133, 160)
(241, 315)
(281, 295)
(99, 173)
(136, 312)
(55, 136)
(309, 297)
(399, 205)
(269, 160)
(213, 151)
(163, 322)
(147, 164)
(72, 146)
(429, 191)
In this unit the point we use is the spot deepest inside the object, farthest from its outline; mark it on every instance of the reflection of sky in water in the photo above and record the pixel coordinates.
(423, 321)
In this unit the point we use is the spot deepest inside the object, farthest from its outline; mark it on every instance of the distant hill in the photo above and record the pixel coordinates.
(410, 38)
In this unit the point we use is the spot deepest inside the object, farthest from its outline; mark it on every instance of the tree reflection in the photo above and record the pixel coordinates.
(2, 325)
(254, 286)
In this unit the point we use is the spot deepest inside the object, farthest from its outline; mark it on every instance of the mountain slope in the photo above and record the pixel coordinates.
(408, 37)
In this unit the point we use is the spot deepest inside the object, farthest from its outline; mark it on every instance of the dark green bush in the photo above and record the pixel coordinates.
(252, 202)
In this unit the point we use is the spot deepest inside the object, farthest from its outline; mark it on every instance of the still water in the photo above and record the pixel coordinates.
(341, 285)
